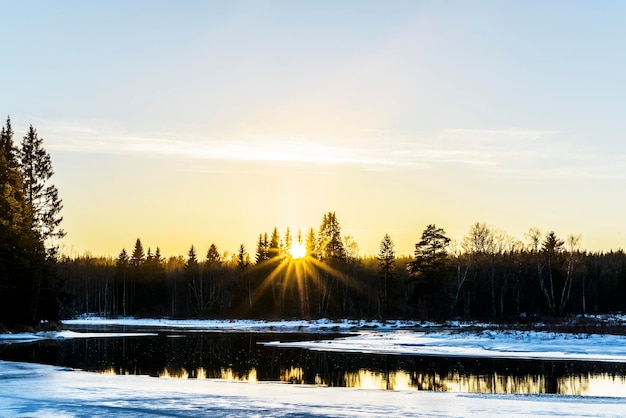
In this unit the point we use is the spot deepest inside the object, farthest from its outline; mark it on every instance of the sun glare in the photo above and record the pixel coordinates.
(297, 250)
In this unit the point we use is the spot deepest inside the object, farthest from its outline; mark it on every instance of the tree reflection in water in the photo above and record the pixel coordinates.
(241, 356)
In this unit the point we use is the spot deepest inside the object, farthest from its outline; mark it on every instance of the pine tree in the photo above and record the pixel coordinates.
(121, 277)
(287, 243)
(430, 252)
(387, 271)
(41, 196)
(194, 280)
(137, 258)
(427, 269)
(23, 264)
(262, 249)
(243, 261)
(211, 272)
(311, 244)
(330, 244)
(274, 248)
(213, 258)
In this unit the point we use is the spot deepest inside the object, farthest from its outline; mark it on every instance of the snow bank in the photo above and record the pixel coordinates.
(316, 325)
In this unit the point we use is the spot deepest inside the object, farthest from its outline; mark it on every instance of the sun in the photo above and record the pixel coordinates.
(297, 250)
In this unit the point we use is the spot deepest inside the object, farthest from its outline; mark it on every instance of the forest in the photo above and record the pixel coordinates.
(486, 275)
(489, 276)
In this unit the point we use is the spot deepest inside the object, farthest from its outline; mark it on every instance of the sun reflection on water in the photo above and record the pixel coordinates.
(292, 375)
(174, 374)
(367, 379)
(604, 384)
(201, 373)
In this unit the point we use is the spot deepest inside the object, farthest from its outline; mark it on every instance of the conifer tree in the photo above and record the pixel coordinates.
(41, 196)
(195, 282)
(427, 269)
(262, 249)
(29, 287)
(287, 243)
(330, 243)
(243, 261)
(274, 248)
(430, 252)
(121, 277)
(311, 243)
(387, 271)
(138, 255)
(213, 258)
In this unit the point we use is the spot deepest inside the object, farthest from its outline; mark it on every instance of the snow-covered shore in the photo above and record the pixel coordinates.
(28, 390)
(315, 325)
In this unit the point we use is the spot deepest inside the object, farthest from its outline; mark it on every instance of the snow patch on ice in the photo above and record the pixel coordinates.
(487, 343)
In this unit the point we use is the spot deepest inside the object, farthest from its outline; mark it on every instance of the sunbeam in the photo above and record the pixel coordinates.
(300, 286)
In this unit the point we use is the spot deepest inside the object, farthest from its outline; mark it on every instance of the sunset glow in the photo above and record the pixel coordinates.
(367, 117)
(297, 250)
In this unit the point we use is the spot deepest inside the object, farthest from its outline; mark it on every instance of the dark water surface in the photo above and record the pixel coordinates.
(242, 356)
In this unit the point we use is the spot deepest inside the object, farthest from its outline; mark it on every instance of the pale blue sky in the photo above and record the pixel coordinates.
(193, 122)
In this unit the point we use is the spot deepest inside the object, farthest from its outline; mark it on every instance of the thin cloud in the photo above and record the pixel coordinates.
(512, 152)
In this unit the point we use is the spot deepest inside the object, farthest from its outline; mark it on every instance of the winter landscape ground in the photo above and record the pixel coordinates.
(28, 389)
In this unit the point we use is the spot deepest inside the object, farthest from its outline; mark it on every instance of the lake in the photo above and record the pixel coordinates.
(243, 356)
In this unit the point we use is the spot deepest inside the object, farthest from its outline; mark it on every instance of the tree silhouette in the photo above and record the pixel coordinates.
(30, 289)
(262, 249)
(387, 271)
(137, 258)
(330, 244)
(122, 266)
(41, 196)
(426, 269)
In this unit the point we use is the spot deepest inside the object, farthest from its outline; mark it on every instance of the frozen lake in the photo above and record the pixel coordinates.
(319, 368)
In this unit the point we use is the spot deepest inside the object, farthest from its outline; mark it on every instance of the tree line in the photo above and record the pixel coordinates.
(488, 275)
(30, 290)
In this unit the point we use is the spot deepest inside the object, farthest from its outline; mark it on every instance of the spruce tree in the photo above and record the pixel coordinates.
(23, 266)
(387, 271)
(213, 258)
(121, 284)
(41, 196)
(274, 248)
(330, 243)
(287, 243)
(262, 249)
(311, 244)
(138, 255)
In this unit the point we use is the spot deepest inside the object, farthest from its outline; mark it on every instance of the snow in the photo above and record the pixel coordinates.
(41, 390)
(393, 337)
(317, 325)
(66, 335)
(46, 391)
(487, 343)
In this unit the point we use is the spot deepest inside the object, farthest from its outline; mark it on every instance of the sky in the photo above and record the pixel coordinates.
(196, 122)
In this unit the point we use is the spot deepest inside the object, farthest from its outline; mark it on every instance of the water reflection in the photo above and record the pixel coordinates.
(604, 384)
(367, 379)
(243, 357)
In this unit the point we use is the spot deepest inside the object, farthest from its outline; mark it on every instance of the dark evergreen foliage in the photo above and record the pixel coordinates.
(30, 289)
(387, 271)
